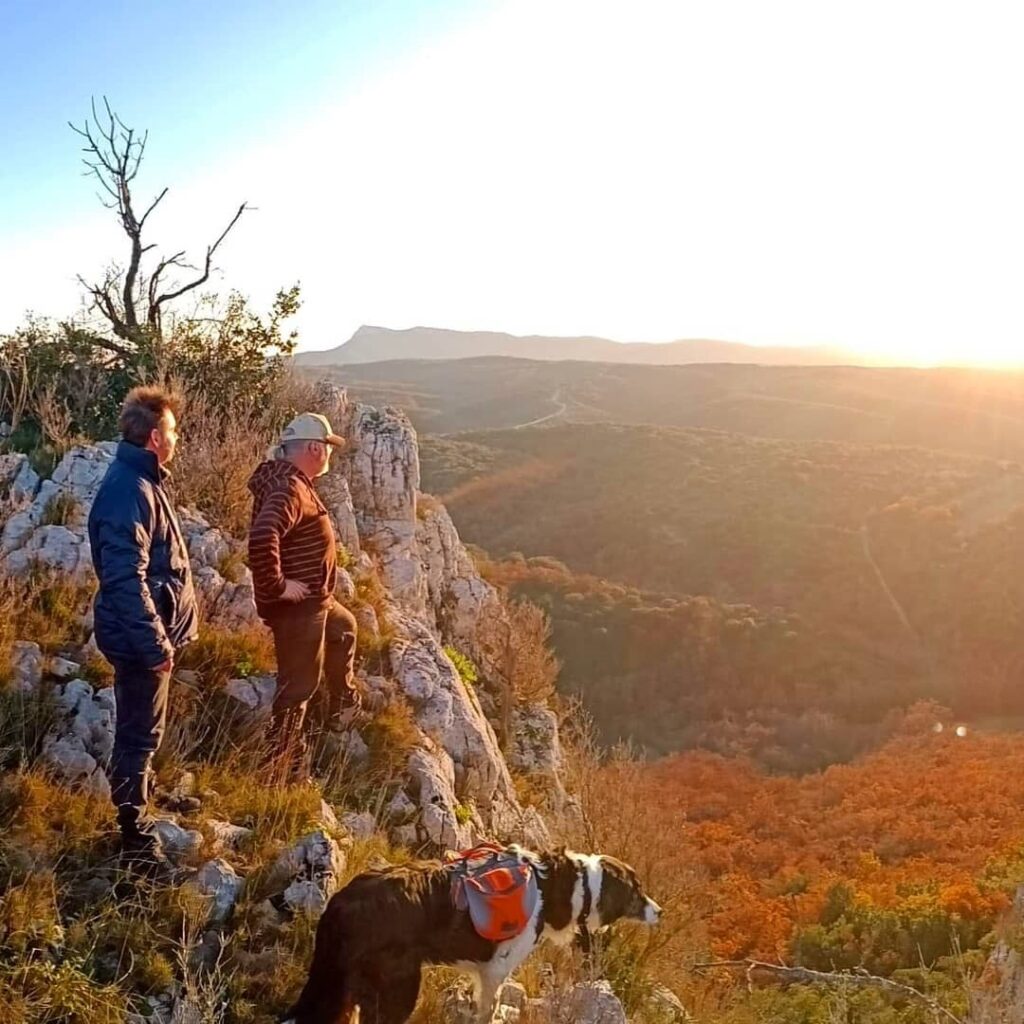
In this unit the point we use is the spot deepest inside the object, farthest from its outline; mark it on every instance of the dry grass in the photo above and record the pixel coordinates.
(635, 959)
(219, 450)
(25, 721)
(102, 952)
(221, 654)
(43, 607)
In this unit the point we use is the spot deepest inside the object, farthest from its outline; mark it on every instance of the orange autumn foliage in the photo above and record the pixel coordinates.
(930, 827)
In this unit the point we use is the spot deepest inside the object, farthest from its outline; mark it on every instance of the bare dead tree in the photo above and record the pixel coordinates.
(806, 976)
(130, 300)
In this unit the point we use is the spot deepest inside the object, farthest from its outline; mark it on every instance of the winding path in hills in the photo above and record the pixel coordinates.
(560, 411)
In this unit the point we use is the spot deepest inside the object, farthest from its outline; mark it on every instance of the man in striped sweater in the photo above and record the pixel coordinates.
(293, 558)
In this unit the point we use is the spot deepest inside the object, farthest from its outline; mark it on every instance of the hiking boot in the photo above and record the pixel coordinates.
(343, 719)
(285, 757)
(342, 713)
(142, 856)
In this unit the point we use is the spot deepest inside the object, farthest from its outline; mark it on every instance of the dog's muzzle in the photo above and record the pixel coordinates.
(652, 912)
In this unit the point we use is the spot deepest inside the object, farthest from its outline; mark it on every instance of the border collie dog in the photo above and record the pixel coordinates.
(379, 931)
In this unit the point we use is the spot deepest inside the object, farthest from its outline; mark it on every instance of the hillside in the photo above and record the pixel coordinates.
(975, 411)
(373, 344)
(421, 772)
(666, 673)
(889, 573)
(885, 864)
(901, 863)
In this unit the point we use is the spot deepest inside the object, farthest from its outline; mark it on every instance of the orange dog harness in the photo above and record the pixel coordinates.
(497, 889)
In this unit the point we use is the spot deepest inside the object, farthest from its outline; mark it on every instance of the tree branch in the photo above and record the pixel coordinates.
(152, 207)
(210, 250)
(804, 975)
(114, 153)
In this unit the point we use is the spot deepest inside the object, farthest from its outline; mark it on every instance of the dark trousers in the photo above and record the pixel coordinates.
(313, 641)
(140, 694)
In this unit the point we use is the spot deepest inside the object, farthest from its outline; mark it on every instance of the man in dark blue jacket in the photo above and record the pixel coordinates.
(146, 605)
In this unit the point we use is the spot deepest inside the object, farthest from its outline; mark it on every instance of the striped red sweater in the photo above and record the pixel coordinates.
(291, 536)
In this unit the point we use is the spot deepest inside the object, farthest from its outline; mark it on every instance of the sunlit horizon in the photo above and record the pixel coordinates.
(982, 359)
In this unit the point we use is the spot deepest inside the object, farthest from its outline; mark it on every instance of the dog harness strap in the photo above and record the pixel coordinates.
(585, 911)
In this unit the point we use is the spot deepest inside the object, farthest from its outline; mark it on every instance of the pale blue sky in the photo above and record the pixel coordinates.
(794, 172)
(203, 76)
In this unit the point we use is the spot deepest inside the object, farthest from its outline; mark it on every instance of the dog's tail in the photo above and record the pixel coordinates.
(326, 997)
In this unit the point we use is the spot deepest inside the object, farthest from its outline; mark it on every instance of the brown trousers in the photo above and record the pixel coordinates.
(313, 641)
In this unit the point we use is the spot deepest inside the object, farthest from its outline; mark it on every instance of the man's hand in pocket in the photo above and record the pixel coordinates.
(294, 591)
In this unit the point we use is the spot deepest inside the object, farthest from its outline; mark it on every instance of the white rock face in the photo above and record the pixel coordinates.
(335, 494)
(62, 668)
(384, 475)
(997, 997)
(227, 836)
(175, 840)
(480, 790)
(218, 881)
(255, 692)
(536, 747)
(457, 597)
(346, 589)
(207, 546)
(26, 666)
(28, 538)
(78, 750)
(68, 759)
(312, 869)
(229, 604)
(82, 470)
(536, 751)
(59, 548)
(587, 1003)
(18, 480)
(446, 821)
(360, 825)
(93, 723)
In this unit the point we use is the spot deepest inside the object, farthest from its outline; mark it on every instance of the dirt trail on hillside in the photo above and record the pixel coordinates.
(901, 614)
(560, 411)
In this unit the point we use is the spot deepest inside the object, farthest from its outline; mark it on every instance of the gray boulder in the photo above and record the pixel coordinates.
(219, 883)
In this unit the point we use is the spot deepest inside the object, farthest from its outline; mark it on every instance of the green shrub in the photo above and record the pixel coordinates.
(463, 665)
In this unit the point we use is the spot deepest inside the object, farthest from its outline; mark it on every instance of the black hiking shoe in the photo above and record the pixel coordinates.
(144, 858)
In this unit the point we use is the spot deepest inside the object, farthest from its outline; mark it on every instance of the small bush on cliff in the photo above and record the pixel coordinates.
(60, 509)
(463, 665)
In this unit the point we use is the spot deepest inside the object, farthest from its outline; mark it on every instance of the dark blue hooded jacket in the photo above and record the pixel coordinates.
(146, 604)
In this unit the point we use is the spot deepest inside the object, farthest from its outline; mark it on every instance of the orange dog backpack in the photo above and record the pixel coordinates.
(496, 888)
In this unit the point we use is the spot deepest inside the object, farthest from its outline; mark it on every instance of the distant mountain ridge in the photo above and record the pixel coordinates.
(377, 344)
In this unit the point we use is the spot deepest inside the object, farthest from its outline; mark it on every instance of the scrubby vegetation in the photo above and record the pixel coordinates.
(774, 598)
(769, 607)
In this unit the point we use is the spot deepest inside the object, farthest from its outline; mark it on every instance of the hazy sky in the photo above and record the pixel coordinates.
(787, 173)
